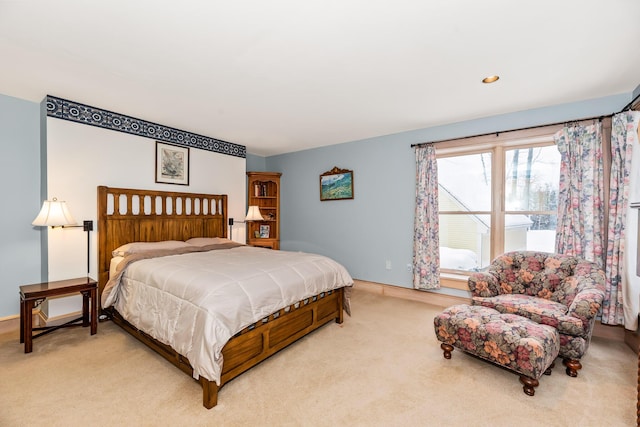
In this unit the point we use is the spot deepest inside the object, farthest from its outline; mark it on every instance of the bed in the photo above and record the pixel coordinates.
(130, 215)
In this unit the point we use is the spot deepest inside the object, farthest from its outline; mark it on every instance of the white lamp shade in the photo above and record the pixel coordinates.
(253, 214)
(54, 214)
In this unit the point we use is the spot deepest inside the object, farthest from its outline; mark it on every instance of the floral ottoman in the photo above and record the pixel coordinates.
(508, 340)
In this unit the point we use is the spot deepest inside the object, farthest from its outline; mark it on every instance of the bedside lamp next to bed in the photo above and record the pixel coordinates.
(253, 214)
(55, 213)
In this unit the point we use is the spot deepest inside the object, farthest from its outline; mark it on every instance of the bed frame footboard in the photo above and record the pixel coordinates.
(255, 343)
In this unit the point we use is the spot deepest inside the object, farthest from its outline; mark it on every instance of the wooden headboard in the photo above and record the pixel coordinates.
(130, 215)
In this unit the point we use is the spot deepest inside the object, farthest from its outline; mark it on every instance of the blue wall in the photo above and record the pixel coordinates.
(362, 233)
(256, 163)
(20, 257)
(377, 225)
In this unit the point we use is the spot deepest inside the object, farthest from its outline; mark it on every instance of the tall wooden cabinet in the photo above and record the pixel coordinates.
(263, 190)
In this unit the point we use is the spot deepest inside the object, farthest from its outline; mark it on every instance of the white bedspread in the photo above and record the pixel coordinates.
(196, 302)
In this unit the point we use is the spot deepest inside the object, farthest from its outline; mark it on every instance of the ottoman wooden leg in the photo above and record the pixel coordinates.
(529, 385)
(548, 371)
(447, 350)
(573, 366)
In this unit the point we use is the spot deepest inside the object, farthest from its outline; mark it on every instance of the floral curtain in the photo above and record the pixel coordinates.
(580, 196)
(426, 243)
(618, 301)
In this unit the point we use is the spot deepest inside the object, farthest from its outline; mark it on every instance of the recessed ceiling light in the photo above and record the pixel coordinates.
(490, 79)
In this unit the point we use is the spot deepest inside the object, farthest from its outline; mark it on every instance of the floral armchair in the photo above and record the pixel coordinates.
(562, 291)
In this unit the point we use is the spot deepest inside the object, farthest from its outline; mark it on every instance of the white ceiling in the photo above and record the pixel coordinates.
(287, 75)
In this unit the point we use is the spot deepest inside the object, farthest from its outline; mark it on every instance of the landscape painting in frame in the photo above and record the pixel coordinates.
(336, 184)
(172, 164)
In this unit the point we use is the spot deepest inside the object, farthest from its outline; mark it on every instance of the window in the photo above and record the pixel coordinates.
(495, 197)
(464, 198)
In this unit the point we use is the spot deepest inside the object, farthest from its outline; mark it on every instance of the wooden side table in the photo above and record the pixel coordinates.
(32, 296)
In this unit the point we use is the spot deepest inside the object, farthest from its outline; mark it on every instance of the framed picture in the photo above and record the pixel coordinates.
(264, 231)
(336, 184)
(172, 164)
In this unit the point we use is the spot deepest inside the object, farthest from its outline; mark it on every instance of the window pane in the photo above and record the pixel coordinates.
(530, 232)
(464, 241)
(530, 192)
(531, 179)
(464, 183)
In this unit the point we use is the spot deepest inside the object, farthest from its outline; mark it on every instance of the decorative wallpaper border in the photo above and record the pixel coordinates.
(85, 114)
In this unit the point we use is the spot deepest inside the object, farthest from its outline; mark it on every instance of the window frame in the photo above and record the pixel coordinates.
(496, 144)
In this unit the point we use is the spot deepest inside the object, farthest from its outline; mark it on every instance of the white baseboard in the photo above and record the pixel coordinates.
(12, 323)
(433, 298)
(9, 324)
(617, 333)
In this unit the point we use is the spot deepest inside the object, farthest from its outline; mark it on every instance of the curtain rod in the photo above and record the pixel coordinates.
(626, 107)
(512, 130)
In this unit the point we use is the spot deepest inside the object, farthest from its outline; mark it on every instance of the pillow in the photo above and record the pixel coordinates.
(205, 241)
(137, 247)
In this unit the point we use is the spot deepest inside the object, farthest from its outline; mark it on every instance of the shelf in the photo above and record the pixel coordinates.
(263, 190)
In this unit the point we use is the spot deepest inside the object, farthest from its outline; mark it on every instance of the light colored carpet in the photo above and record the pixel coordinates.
(382, 367)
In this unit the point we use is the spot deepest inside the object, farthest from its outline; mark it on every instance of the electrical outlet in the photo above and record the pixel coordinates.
(409, 268)
(387, 264)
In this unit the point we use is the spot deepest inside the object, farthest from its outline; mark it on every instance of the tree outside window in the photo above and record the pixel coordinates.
(500, 199)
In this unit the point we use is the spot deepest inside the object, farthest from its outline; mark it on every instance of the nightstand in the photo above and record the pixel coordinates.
(32, 296)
